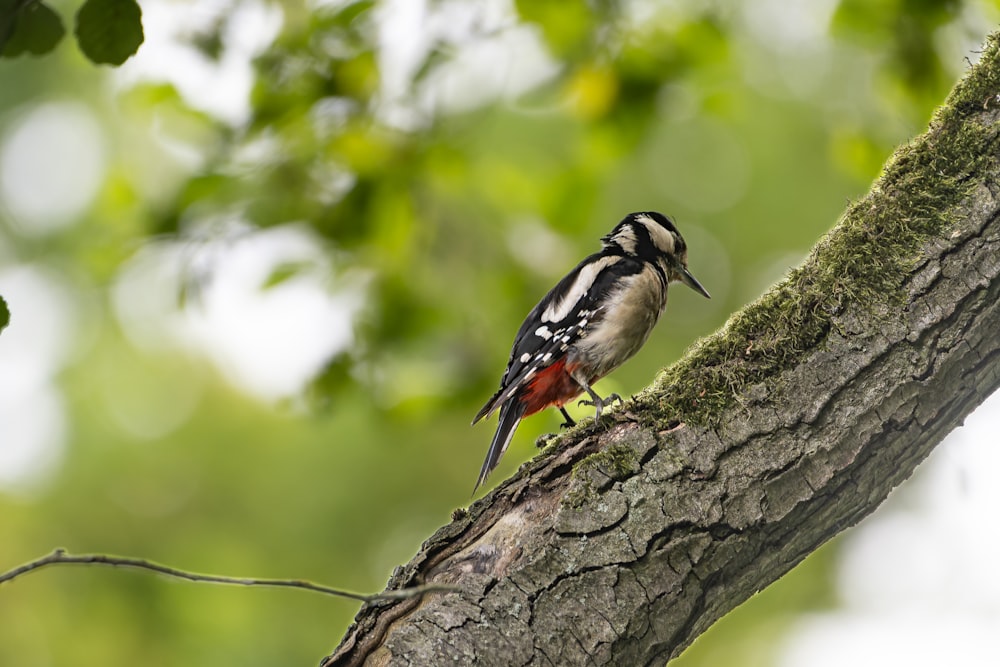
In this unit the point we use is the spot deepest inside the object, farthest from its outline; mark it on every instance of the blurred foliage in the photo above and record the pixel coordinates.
(108, 32)
(451, 199)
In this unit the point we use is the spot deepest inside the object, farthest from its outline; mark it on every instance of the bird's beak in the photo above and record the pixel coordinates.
(692, 282)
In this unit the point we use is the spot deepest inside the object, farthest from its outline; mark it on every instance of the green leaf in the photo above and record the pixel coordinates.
(4, 314)
(109, 31)
(29, 27)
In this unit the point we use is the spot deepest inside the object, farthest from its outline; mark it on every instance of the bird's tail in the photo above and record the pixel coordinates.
(510, 417)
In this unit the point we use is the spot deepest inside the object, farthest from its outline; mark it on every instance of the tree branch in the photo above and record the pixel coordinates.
(60, 557)
(623, 541)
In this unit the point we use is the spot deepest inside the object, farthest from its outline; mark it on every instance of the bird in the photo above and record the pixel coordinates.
(595, 319)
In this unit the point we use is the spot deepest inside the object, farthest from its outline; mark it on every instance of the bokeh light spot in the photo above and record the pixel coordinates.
(52, 163)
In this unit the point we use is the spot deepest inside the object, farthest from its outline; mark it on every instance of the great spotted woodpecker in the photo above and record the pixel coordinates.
(589, 324)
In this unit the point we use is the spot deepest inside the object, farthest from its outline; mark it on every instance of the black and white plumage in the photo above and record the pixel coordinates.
(591, 322)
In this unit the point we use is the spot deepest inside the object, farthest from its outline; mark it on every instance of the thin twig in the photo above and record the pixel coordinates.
(61, 557)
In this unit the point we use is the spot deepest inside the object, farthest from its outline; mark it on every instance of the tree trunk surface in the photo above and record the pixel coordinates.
(623, 541)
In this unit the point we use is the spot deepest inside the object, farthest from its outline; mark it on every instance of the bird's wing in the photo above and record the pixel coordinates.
(562, 316)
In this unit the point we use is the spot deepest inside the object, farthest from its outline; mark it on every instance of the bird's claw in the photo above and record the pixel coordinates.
(598, 403)
(610, 398)
(569, 423)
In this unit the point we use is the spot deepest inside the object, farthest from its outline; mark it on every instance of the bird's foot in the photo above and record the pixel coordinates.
(569, 423)
(599, 403)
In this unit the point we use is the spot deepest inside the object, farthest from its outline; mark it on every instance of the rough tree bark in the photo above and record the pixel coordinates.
(623, 541)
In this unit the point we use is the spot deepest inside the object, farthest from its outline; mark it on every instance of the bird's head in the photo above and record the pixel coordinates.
(652, 237)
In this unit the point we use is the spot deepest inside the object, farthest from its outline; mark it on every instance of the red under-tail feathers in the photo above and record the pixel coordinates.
(552, 386)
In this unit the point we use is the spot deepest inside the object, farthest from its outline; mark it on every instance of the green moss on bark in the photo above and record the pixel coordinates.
(600, 470)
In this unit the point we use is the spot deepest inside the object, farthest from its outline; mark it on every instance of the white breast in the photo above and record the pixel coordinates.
(624, 325)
